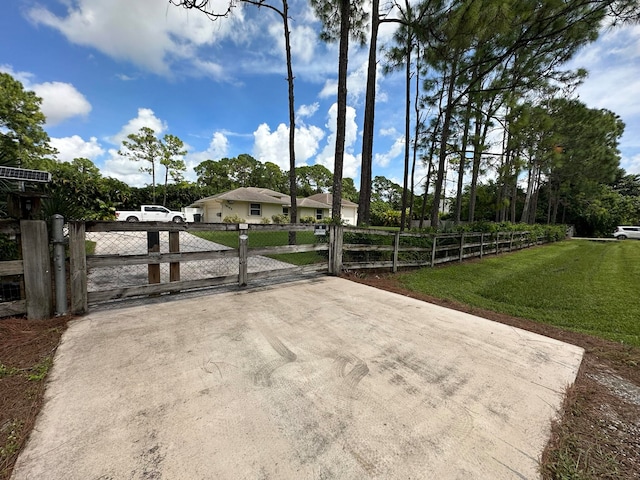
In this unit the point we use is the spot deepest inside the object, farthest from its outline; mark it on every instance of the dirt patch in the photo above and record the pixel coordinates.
(26, 353)
(597, 434)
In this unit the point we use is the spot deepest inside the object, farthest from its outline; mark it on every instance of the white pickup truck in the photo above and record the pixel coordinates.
(150, 213)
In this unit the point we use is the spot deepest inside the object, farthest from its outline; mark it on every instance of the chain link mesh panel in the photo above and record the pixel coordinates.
(266, 253)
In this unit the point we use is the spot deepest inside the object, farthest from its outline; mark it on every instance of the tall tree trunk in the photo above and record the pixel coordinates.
(166, 181)
(514, 194)
(293, 183)
(293, 188)
(342, 112)
(364, 204)
(416, 137)
(407, 131)
(153, 180)
(533, 209)
(475, 170)
(463, 158)
(504, 177)
(432, 149)
(448, 113)
(527, 198)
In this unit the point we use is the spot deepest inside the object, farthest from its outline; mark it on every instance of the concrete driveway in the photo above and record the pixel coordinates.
(318, 379)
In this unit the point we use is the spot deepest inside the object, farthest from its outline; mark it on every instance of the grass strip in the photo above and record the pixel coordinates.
(584, 286)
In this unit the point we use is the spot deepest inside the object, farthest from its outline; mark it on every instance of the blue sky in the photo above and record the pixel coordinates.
(106, 68)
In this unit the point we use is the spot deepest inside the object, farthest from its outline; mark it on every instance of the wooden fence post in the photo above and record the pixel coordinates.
(335, 249)
(433, 251)
(481, 243)
(37, 269)
(174, 247)
(153, 246)
(396, 247)
(243, 256)
(461, 247)
(78, 267)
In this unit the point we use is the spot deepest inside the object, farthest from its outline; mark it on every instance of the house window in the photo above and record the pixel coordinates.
(285, 211)
(255, 209)
(319, 214)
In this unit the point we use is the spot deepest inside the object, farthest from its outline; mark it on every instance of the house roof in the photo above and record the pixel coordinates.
(328, 199)
(264, 195)
(310, 203)
(248, 194)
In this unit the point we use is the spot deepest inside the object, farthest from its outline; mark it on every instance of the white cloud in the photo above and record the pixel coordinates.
(351, 162)
(274, 146)
(75, 147)
(389, 132)
(22, 77)
(148, 33)
(330, 88)
(219, 145)
(631, 165)
(304, 40)
(356, 84)
(145, 118)
(211, 69)
(218, 148)
(125, 170)
(307, 110)
(383, 159)
(61, 101)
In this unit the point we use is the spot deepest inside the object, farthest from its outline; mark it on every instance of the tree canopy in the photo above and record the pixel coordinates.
(23, 140)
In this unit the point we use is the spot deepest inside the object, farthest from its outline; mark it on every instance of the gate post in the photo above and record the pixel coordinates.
(60, 274)
(243, 255)
(153, 246)
(78, 267)
(37, 269)
(174, 247)
(335, 249)
(396, 248)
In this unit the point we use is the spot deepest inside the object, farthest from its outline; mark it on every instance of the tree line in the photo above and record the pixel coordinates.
(487, 95)
(470, 66)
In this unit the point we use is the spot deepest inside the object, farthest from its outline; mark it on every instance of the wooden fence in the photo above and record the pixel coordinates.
(82, 264)
(33, 270)
(338, 248)
(381, 249)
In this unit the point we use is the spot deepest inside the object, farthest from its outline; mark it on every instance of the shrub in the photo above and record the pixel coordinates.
(265, 221)
(280, 219)
(8, 248)
(233, 219)
(307, 220)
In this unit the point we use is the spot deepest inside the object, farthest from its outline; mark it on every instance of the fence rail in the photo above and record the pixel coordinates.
(26, 285)
(379, 249)
(152, 258)
(116, 260)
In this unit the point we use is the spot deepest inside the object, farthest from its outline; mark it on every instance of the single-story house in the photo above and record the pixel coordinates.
(254, 204)
(249, 203)
(349, 212)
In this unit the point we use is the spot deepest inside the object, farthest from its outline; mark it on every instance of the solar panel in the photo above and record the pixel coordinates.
(25, 175)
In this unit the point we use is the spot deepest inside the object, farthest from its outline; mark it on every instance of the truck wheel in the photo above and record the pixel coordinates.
(132, 219)
(622, 237)
(177, 220)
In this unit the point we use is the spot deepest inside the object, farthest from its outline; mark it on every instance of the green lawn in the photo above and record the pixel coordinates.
(272, 239)
(590, 287)
(257, 239)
